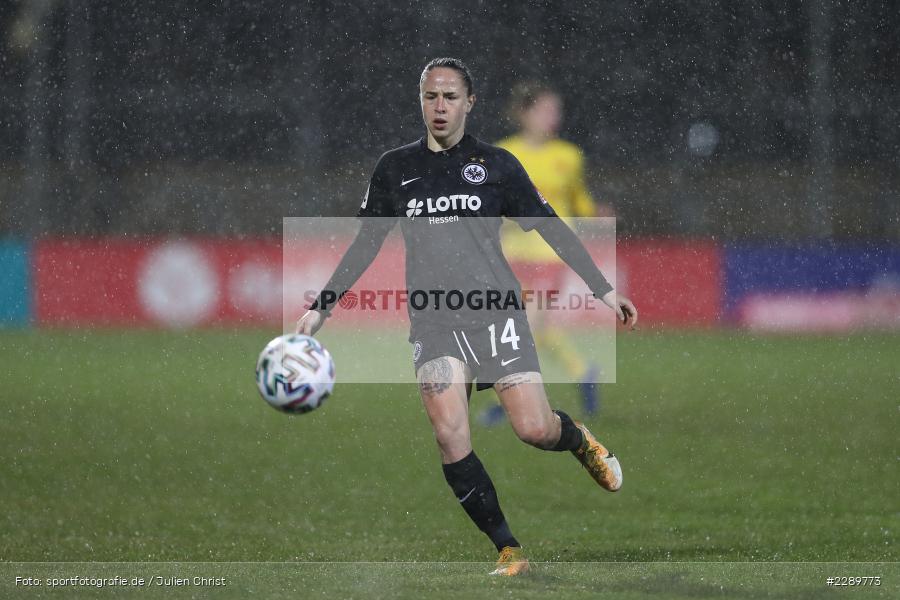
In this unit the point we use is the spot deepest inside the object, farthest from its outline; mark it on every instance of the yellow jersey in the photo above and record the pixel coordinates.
(557, 170)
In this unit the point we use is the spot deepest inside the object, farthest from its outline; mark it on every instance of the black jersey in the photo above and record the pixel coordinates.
(450, 204)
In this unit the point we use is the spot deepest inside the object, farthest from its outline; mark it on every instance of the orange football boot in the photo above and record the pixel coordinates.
(600, 463)
(512, 562)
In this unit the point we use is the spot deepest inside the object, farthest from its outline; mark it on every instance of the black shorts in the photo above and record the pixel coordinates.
(492, 350)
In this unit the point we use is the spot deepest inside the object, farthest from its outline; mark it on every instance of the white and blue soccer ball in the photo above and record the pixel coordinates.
(295, 373)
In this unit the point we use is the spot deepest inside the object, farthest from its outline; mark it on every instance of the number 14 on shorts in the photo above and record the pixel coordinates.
(507, 336)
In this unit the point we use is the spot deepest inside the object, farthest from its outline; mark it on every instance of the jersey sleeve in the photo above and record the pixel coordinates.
(379, 199)
(521, 200)
(357, 258)
(582, 203)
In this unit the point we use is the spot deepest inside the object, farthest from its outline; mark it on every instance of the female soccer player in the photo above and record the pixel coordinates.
(449, 192)
(556, 167)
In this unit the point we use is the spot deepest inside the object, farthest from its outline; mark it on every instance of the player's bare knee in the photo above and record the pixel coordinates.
(450, 427)
(449, 433)
(453, 441)
(535, 432)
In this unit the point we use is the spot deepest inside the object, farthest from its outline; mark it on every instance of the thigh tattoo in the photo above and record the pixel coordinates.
(435, 376)
(513, 380)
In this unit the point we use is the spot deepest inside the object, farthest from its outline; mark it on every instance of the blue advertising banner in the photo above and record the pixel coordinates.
(15, 283)
(821, 286)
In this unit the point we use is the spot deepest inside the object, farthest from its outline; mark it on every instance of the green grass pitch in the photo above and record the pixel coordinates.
(743, 456)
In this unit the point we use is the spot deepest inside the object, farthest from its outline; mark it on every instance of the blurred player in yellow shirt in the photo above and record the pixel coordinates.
(556, 167)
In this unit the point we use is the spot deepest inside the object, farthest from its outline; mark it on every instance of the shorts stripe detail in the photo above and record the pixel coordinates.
(461, 351)
(466, 340)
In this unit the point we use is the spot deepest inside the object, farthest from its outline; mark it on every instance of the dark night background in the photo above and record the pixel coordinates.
(223, 117)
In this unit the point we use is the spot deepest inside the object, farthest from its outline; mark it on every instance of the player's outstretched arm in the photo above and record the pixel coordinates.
(570, 249)
(356, 260)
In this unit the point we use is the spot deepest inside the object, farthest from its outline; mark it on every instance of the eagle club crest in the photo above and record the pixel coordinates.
(474, 173)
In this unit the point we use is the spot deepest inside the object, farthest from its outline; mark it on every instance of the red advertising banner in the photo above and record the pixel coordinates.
(196, 282)
(672, 282)
(170, 283)
(373, 299)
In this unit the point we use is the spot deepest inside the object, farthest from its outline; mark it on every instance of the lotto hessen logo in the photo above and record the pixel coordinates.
(414, 208)
(442, 204)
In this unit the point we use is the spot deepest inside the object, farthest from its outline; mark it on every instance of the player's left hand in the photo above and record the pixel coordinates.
(625, 310)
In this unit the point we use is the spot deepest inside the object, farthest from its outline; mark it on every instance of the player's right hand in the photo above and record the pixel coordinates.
(310, 323)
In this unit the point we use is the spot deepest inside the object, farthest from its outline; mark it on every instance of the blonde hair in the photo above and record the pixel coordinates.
(525, 95)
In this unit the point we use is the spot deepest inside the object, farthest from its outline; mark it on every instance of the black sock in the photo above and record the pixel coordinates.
(475, 492)
(570, 437)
